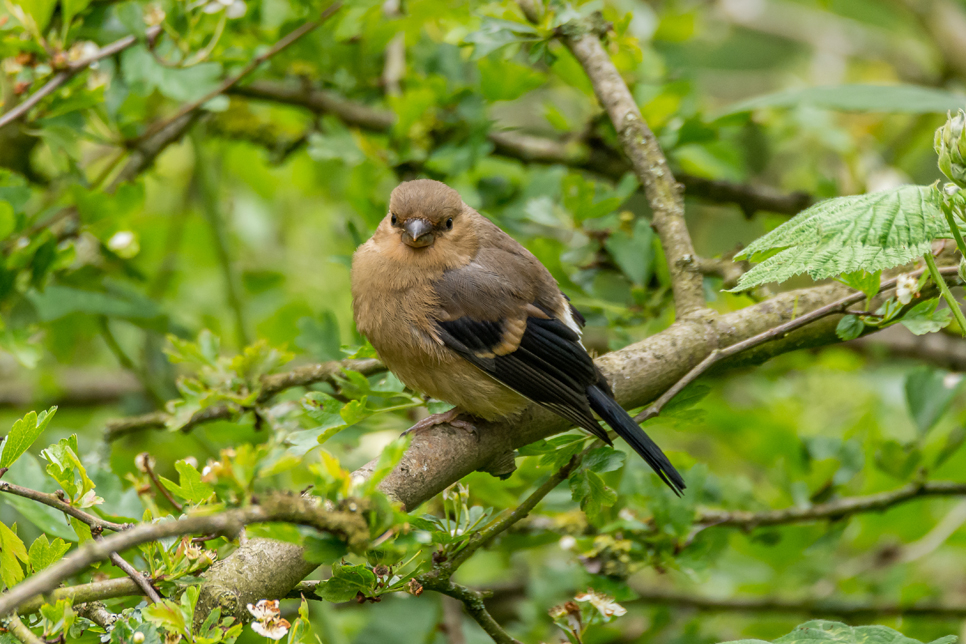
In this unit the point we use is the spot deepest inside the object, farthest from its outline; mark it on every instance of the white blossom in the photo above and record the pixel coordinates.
(232, 8)
(273, 630)
(567, 542)
(268, 619)
(905, 288)
(605, 605)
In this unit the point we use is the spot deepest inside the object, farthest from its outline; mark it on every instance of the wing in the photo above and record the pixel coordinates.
(521, 345)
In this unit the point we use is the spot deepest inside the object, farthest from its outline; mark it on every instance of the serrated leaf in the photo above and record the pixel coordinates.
(42, 553)
(388, 459)
(593, 494)
(604, 459)
(867, 232)
(12, 552)
(821, 630)
(849, 328)
(863, 281)
(192, 488)
(495, 33)
(926, 317)
(324, 549)
(22, 435)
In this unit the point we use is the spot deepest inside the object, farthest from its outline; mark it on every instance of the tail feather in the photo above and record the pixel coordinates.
(621, 422)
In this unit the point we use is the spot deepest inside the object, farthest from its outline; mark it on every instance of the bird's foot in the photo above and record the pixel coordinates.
(450, 417)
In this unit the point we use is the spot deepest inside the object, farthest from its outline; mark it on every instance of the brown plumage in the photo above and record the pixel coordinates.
(459, 310)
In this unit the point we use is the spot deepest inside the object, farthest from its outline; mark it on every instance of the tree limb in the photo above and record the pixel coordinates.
(55, 502)
(647, 160)
(70, 71)
(474, 607)
(348, 525)
(21, 632)
(271, 385)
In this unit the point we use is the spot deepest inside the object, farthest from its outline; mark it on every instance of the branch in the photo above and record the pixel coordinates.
(271, 385)
(767, 336)
(92, 592)
(96, 612)
(593, 157)
(833, 510)
(817, 607)
(473, 604)
(284, 508)
(942, 350)
(21, 632)
(55, 502)
(70, 71)
(143, 583)
(230, 82)
(642, 149)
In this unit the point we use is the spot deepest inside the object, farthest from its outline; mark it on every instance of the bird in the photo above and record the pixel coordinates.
(460, 311)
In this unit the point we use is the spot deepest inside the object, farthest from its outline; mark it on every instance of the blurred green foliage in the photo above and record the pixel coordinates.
(225, 259)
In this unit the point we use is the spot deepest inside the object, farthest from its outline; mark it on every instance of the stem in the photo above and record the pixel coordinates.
(954, 227)
(21, 632)
(946, 293)
(66, 508)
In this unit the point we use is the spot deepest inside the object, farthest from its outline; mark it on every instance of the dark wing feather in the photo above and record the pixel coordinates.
(549, 367)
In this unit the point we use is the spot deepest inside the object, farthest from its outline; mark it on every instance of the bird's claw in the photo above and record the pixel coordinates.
(450, 417)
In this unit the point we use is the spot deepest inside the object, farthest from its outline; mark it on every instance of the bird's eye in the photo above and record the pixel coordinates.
(449, 224)
(393, 220)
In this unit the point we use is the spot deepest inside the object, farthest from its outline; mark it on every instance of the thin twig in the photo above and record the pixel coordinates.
(142, 582)
(93, 591)
(54, 502)
(284, 508)
(833, 510)
(271, 385)
(70, 71)
(475, 608)
(591, 156)
(771, 334)
(21, 632)
(284, 42)
(486, 535)
(146, 461)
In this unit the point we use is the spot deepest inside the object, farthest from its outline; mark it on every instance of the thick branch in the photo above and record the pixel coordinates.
(96, 612)
(647, 160)
(271, 385)
(291, 509)
(92, 592)
(21, 632)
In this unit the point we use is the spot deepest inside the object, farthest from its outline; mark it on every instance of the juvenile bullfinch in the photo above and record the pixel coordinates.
(459, 310)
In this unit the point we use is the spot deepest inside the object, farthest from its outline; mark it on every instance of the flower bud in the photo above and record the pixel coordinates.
(950, 145)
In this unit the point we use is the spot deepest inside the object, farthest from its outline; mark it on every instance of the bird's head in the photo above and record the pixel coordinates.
(425, 212)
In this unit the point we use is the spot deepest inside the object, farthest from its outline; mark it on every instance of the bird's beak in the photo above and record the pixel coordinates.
(418, 233)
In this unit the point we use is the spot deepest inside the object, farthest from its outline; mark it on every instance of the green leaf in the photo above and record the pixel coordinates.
(64, 466)
(927, 317)
(897, 460)
(22, 435)
(634, 254)
(57, 301)
(867, 232)
(388, 459)
(505, 80)
(39, 10)
(11, 550)
(192, 488)
(345, 583)
(928, 394)
(820, 630)
(604, 459)
(593, 494)
(8, 220)
(495, 33)
(324, 549)
(910, 99)
(73, 7)
(863, 281)
(319, 337)
(43, 553)
(849, 328)
(954, 441)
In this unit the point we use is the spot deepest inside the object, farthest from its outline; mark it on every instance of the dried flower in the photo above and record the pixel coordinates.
(268, 619)
(605, 605)
(414, 588)
(84, 50)
(906, 288)
(381, 571)
(153, 15)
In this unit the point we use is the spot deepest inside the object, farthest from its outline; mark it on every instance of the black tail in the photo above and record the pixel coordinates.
(621, 422)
